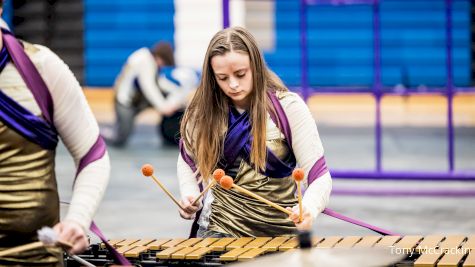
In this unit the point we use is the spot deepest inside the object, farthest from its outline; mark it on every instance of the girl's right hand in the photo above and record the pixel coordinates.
(189, 211)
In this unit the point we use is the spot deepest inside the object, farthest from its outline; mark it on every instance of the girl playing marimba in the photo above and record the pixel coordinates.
(244, 120)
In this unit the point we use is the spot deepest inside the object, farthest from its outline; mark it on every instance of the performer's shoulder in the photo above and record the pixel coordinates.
(288, 97)
(38, 52)
(42, 56)
(30, 48)
(185, 74)
(140, 55)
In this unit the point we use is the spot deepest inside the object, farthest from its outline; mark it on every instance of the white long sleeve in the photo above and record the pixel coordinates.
(78, 130)
(141, 65)
(307, 148)
(178, 83)
(146, 74)
(186, 179)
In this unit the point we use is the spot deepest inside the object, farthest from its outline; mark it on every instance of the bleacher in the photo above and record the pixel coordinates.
(115, 28)
(340, 43)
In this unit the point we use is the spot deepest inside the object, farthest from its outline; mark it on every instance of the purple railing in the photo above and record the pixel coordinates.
(378, 91)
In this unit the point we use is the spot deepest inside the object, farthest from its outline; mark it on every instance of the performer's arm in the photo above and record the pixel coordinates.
(188, 188)
(186, 179)
(308, 150)
(79, 131)
(147, 80)
(178, 94)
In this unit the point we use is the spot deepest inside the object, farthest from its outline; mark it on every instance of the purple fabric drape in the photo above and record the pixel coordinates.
(237, 123)
(320, 167)
(238, 143)
(26, 123)
(95, 152)
(317, 170)
(14, 115)
(116, 255)
(342, 217)
(4, 58)
(187, 157)
(236, 139)
(281, 119)
(30, 75)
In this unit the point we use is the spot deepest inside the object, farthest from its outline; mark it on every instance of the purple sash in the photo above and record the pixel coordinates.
(30, 75)
(115, 254)
(27, 124)
(238, 143)
(37, 130)
(320, 167)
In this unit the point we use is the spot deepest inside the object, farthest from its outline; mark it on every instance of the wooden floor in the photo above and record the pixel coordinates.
(342, 110)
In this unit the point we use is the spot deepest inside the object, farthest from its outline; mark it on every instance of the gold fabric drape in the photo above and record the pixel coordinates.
(240, 215)
(28, 196)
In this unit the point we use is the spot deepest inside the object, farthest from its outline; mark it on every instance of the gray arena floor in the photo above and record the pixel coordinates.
(134, 206)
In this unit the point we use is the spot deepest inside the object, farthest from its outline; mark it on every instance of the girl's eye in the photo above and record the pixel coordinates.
(223, 79)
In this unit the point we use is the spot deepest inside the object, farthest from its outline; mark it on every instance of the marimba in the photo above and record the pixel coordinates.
(432, 250)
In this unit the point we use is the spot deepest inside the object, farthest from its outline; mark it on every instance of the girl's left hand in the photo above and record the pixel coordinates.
(307, 218)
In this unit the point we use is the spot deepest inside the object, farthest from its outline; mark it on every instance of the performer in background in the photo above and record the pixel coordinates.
(149, 78)
(41, 100)
(233, 122)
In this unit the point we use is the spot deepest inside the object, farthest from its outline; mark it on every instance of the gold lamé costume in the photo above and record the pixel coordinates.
(28, 191)
(240, 215)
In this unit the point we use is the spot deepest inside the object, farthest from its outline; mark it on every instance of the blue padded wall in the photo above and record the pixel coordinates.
(115, 28)
(340, 43)
(7, 12)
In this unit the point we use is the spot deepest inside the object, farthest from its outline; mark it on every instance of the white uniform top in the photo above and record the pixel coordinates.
(166, 93)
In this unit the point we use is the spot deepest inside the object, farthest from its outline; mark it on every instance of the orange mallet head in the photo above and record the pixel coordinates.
(218, 174)
(298, 174)
(147, 170)
(226, 182)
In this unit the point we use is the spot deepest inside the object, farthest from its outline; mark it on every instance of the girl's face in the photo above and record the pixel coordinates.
(233, 74)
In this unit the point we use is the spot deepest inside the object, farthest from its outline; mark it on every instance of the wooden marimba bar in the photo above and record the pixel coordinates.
(432, 250)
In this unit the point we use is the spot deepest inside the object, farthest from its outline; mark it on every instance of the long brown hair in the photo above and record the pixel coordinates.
(205, 122)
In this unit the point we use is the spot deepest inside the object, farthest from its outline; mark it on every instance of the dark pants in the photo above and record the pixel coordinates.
(125, 118)
(170, 128)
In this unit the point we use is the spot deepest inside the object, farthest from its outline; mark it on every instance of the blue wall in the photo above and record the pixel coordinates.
(340, 41)
(7, 14)
(115, 28)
